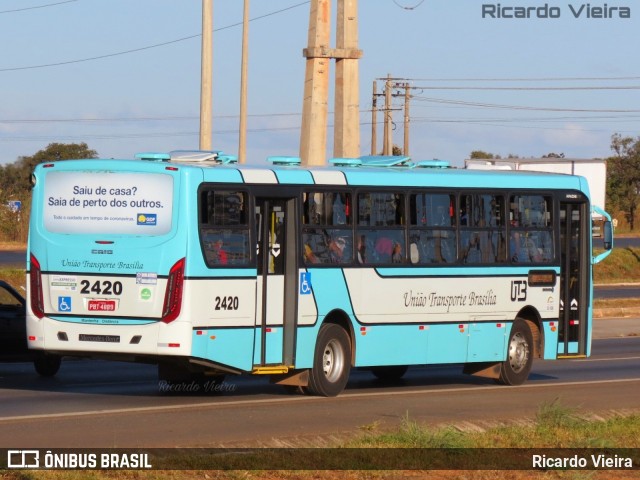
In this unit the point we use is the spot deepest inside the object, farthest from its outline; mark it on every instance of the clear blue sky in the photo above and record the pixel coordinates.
(148, 100)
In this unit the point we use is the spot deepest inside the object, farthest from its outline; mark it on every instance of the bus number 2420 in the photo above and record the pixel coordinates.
(227, 303)
(104, 287)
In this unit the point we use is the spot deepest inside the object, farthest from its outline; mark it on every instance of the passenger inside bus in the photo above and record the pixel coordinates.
(362, 249)
(523, 249)
(396, 253)
(219, 255)
(309, 256)
(336, 250)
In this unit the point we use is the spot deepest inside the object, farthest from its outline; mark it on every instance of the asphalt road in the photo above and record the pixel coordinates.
(616, 291)
(13, 258)
(619, 242)
(98, 404)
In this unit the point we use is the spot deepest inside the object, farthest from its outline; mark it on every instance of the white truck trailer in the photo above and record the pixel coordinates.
(594, 170)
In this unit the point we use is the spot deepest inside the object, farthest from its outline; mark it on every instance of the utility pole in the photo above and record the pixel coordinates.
(387, 141)
(242, 140)
(407, 97)
(374, 120)
(206, 75)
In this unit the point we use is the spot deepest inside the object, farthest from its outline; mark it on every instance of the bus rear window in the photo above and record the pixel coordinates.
(119, 203)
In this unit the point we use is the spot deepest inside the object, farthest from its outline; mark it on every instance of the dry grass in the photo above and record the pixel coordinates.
(14, 277)
(622, 266)
(616, 303)
(4, 246)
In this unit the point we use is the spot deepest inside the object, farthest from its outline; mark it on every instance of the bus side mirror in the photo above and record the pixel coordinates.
(607, 235)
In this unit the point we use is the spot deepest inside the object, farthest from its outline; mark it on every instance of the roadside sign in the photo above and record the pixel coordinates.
(14, 205)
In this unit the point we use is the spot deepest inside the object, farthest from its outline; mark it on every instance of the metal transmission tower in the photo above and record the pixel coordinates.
(313, 138)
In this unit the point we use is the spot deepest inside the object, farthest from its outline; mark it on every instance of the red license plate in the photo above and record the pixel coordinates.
(102, 305)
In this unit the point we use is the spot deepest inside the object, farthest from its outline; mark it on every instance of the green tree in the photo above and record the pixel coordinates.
(396, 150)
(481, 155)
(15, 184)
(623, 176)
(15, 178)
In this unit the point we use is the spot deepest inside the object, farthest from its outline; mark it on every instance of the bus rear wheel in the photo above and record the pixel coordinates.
(331, 361)
(516, 368)
(47, 365)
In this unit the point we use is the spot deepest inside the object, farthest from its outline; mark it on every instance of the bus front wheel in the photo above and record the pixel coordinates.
(331, 361)
(516, 368)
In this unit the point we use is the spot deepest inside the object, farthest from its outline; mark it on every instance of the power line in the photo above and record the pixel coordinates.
(442, 87)
(583, 119)
(528, 127)
(559, 119)
(521, 107)
(134, 119)
(36, 7)
(148, 47)
(598, 118)
(420, 2)
(495, 122)
(109, 136)
(516, 79)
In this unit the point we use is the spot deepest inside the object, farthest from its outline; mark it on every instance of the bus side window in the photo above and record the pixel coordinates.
(380, 228)
(224, 227)
(433, 235)
(483, 229)
(326, 208)
(531, 229)
(327, 235)
(324, 246)
(216, 252)
(483, 246)
(385, 246)
(314, 246)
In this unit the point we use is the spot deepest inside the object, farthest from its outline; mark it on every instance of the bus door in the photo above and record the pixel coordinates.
(574, 278)
(276, 282)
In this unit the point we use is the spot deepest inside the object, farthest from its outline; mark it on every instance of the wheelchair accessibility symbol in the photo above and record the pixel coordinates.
(64, 304)
(305, 283)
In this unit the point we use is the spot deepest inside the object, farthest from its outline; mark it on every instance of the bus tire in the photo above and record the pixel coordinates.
(391, 373)
(331, 361)
(47, 365)
(516, 368)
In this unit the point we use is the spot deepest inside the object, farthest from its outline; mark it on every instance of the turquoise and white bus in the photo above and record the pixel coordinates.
(209, 268)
